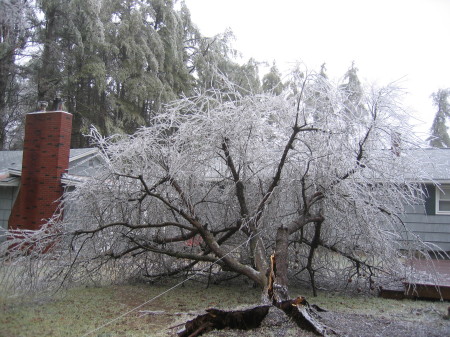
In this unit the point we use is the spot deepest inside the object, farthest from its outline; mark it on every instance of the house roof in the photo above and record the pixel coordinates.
(11, 161)
(435, 163)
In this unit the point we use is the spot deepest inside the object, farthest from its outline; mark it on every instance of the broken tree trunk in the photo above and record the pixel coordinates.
(305, 316)
(219, 319)
(277, 288)
(298, 309)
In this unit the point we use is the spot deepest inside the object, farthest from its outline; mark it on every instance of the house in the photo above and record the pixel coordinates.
(33, 180)
(431, 220)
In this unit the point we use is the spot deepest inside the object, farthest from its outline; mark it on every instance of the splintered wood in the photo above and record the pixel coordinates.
(219, 319)
(298, 309)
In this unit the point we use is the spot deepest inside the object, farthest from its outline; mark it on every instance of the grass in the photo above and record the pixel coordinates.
(405, 310)
(82, 310)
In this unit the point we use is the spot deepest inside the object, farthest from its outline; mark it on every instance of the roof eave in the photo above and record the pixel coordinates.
(84, 154)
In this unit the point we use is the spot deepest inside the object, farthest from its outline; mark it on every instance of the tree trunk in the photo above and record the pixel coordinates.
(48, 74)
(297, 309)
(275, 293)
(277, 288)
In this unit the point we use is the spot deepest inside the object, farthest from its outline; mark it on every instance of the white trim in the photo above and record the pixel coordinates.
(10, 181)
(438, 197)
(47, 112)
(15, 173)
(86, 153)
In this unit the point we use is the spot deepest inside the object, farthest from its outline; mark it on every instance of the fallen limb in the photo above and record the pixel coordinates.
(216, 319)
(298, 310)
(305, 316)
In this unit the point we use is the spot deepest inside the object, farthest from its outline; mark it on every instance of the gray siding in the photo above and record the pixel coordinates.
(430, 228)
(7, 196)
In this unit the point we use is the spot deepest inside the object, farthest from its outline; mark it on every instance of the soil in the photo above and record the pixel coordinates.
(276, 324)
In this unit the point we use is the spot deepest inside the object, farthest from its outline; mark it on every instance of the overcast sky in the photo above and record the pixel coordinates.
(389, 40)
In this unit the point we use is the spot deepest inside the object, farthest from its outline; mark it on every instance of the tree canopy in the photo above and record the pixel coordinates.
(17, 27)
(272, 81)
(221, 179)
(114, 62)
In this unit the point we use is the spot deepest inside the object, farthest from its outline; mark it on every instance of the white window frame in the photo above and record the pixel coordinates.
(439, 197)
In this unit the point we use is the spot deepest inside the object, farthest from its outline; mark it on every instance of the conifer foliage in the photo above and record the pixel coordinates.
(439, 132)
(114, 62)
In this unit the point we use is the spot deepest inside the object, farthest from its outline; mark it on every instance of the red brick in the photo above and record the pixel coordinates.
(45, 159)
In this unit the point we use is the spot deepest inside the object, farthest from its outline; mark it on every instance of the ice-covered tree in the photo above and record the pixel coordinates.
(114, 61)
(17, 28)
(212, 55)
(272, 82)
(352, 87)
(220, 181)
(439, 131)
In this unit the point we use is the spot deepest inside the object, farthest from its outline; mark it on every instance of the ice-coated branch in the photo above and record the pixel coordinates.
(218, 173)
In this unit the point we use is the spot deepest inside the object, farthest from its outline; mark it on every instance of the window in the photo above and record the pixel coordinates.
(443, 199)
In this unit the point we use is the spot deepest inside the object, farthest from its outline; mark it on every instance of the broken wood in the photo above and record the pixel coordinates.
(216, 319)
(304, 315)
(277, 284)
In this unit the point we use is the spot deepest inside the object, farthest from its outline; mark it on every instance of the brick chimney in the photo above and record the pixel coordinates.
(45, 158)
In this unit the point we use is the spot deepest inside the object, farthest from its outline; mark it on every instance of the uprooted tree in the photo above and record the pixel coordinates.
(224, 181)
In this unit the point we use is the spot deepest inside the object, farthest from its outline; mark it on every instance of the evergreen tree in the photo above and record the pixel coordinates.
(272, 82)
(72, 62)
(146, 60)
(116, 62)
(213, 55)
(319, 99)
(85, 68)
(439, 133)
(246, 76)
(51, 64)
(17, 20)
(353, 91)
(323, 70)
